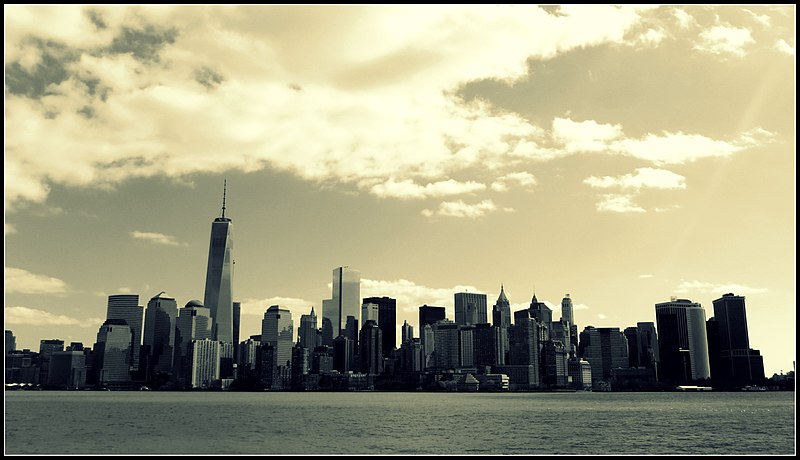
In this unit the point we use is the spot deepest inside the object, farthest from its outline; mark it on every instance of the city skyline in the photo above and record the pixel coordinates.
(647, 156)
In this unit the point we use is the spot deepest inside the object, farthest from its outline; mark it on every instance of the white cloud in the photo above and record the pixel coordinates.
(651, 37)
(348, 94)
(584, 136)
(410, 296)
(523, 179)
(461, 209)
(784, 47)
(684, 19)
(618, 203)
(35, 317)
(640, 178)
(156, 238)
(601, 316)
(762, 19)
(725, 40)
(580, 306)
(704, 287)
(646, 276)
(24, 282)
(409, 189)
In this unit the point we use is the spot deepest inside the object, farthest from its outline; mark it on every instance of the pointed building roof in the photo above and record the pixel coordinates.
(502, 297)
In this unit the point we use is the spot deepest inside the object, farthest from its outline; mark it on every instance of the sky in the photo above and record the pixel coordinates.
(623, 155)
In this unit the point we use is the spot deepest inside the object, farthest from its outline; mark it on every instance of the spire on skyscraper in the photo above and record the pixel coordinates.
(224, 193)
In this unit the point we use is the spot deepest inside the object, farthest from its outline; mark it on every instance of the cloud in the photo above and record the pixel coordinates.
(461, 209)
(640, 178)
(725, 40)
(684, 19)
(660, 149)
(601, 316)
(580, 306)
(784, 47)
(646, 276)
(762, 19)
(704, 287)
(156, 238)
(523, 179)
(618, 203)
(409, 189)
(584, 136)
(100, 95)
(35, 317)
(24, 282)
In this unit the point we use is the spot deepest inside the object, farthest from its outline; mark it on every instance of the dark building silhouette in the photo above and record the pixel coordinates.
(126, 307)
(605, 348)
(733, 362)
(237, 314)
(158, 350)
(484, 342)
(343, 354)
(46, 349)
(370, 352)
(387, 322)
(219, 291)
(682, 342)
(501, 311)
(429, 314)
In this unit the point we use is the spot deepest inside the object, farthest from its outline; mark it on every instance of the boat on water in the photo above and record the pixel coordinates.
(692, 388)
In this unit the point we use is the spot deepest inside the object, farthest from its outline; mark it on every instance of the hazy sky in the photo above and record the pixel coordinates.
(623, 155)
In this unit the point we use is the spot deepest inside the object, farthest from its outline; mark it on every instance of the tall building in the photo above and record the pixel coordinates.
(237, 314)
(112, 352)
(370, 351)
(330, 316)
(427, 340)
(193, 323)
(67, 370)
(369, 312)
(682, 340)
(429, 315)
(501, 312)
(47, 347)
(126, 307)
(308, 330)
(466, 345)
(277, 330)
(387, 321)
(407, 332)
(11, 342)
(566, 309)
(605, 348)
(343, 352)
(648, 345)
(470, 308)
(733, 362)
(446, 345)
(204, 363)
(219, 276)
(544, 315)
(345, 299)
(159, 335)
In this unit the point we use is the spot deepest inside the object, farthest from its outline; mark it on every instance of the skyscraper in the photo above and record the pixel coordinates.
(544, 315)
(112, 352)
(277, 330)
(237, 314)
(447, 345)
(682, 340)
(501, 312)
(369, 312)
(11, 342)
(47, 347)
(429, 315)
(308, 330)
(370, 353)
(407, 332)
(733, 362)
(387, 321)
(204, 363)
(193, 323)
(126, 307)
(605, 348)
(345, 299)
(159, 335)
(470, 308)
(219, 276)
(566, 309)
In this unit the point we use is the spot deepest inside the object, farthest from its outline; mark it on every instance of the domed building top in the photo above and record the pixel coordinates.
(194, 303)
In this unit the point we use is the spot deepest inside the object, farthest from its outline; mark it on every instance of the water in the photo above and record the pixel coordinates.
(398, 423)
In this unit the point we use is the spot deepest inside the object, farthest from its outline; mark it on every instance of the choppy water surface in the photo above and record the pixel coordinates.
(398, 423)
